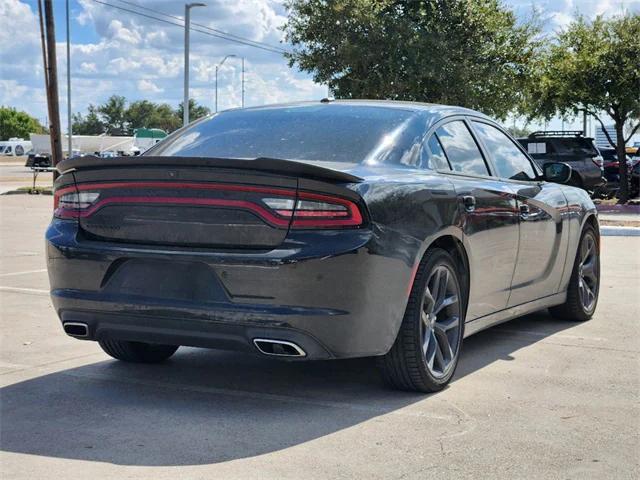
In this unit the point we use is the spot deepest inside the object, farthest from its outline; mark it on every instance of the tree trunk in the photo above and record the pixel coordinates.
(622, 161)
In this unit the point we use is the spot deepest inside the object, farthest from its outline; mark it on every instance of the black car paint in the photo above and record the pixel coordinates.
(336, 293)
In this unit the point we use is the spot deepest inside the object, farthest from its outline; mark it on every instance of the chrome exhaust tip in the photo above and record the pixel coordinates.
(278, 348)
(76, 329)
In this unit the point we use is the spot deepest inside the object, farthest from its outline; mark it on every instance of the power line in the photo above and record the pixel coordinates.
(217, 35)
(221, 32)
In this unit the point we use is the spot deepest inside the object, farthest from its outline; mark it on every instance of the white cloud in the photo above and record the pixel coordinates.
(141, 58)
(148, 86)
(119, 32)
(88, 67)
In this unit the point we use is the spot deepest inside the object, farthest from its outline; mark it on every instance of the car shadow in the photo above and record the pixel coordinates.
(204, 407)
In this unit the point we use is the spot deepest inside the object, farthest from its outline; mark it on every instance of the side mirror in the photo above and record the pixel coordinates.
(556, 172)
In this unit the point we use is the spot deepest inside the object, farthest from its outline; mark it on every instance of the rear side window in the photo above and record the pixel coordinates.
(508, 160)
(461, 149)
(433, 155)
(574, 146)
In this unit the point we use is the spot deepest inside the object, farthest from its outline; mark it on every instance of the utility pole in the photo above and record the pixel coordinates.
(187, 22)
(51, 80)
(69, 132)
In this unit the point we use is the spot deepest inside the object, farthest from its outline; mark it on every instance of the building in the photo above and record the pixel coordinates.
(601, 138)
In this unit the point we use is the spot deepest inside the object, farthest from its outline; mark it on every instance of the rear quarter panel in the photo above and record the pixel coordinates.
(408, 212)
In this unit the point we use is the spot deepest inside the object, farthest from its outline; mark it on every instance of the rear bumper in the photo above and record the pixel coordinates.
(330, 293)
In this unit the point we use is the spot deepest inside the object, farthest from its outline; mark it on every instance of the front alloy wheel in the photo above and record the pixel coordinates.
(584, 285)
(426, 351)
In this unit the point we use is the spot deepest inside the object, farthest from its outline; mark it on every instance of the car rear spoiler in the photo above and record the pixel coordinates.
(262, 164)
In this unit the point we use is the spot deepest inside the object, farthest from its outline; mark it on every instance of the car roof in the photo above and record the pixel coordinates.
(433, 110)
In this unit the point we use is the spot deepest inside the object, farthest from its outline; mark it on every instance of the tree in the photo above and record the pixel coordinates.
(89, 125)
(594, 67)
(472, 53)
(143, 113)
(166, 118)
(113, 115)
(139, 114)
(14, 123)
(195, 111)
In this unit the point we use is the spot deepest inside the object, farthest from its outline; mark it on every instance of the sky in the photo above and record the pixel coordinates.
(117, 52)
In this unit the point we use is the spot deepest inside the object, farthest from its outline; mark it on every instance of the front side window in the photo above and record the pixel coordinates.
(461, 149)
(508, 159)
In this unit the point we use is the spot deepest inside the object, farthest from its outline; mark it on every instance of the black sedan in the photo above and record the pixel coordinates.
(320, 231)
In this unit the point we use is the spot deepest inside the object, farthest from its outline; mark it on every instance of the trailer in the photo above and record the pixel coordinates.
(98, 145)
(15, 147)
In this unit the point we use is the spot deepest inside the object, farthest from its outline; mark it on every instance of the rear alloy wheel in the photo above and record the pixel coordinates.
(584, 285)
(137, 352)
(425, 354)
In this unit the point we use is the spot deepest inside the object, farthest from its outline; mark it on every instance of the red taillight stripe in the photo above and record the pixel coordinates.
(179, 186)
(318, 218)
(215, 202)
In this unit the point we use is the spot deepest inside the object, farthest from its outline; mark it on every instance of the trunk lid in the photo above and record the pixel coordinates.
(184, 201)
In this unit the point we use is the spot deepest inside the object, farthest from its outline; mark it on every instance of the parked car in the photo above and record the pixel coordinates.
(570, 147)
(320, 231)
(634, 184)
(612, 165)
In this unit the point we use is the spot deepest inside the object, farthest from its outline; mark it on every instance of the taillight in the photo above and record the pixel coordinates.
(282, 208)
(312, 210)
(68, 205)
(599, 161)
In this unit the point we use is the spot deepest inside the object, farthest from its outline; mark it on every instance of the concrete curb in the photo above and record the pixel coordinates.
(620, 231)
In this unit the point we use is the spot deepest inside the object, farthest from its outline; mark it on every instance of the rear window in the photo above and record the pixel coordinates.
(574, 146)
(330, 133)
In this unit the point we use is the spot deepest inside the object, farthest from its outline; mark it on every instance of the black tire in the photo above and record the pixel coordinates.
(406, 365)
(574, 308)
(137, 352)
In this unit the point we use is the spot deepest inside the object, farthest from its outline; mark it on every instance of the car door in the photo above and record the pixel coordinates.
(487, 215)
(542, 233)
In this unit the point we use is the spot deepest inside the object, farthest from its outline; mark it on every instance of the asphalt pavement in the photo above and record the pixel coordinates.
(533, 398)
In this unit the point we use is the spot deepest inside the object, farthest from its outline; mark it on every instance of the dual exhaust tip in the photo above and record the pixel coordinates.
(276, 348)
(76, 329)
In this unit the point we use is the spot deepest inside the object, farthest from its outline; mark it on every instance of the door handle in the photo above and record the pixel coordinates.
(469, 202)
(524, 210)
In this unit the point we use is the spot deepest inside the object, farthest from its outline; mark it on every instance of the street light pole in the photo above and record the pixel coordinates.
(69, 132)
(187, 22)
(217, 67)
(242, 82)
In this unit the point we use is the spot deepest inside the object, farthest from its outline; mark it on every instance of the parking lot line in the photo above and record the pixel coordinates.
(26, 272)
(28, 291)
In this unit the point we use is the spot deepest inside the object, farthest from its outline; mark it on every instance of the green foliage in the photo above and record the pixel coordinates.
(593, 67)
(460, 52)
(14, 123)
(89, 125)
(116, 118)
(114, 115)
(195, 111)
